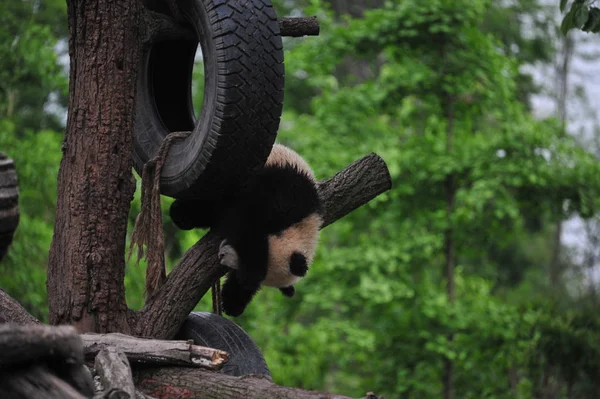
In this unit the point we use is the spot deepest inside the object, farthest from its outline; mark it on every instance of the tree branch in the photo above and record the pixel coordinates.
(296, 27)
(140, 350)
(354, 186)
(172, 382)
(163, 27)
(350, 188)
(12, 312)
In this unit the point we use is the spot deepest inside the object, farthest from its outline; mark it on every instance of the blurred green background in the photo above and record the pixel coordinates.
(484, 112)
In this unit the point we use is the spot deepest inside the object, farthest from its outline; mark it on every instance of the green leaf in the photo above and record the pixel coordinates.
(563, 3)
(568, 21)
(593, 22)
(581, 16)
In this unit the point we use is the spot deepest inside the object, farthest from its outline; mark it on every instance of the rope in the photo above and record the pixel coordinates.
(148, 224)
(217, 305)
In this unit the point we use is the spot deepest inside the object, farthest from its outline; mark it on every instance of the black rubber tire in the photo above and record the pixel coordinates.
(214, 331)
(9, 203)
(243, 98)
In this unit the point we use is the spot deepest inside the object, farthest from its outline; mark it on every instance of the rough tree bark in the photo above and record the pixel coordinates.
(86, 266)
(11, 311)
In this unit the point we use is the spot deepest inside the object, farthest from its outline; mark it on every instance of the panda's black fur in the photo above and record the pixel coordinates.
(272, 225)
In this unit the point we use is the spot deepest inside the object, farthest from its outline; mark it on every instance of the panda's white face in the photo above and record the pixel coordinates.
(302, 237)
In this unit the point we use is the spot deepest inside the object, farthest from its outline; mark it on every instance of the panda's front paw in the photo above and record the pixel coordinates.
(228, 255)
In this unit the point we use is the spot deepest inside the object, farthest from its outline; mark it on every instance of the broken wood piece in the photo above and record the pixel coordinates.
(153, 351)
(297, 27)
(115, 375)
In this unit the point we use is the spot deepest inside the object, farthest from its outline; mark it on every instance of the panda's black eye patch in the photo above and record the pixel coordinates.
(298, 266)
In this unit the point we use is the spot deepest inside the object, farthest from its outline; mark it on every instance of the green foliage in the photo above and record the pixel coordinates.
(29, 68)
(36, 156)
(581, 15)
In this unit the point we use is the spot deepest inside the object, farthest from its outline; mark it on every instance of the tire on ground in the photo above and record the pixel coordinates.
(242, 105)
(214, 331)
(9, 203)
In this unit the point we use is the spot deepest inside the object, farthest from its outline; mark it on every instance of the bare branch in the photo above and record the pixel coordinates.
(12, 312)
(352, 187)
(152, 351)
(296, 27)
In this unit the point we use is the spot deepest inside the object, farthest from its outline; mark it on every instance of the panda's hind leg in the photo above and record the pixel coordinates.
(245, 281)
(235, 295)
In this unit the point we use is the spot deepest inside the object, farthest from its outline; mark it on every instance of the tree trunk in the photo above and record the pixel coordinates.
(95, 187)
(562, 72)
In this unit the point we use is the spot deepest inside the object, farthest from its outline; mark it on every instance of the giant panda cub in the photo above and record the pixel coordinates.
(270, 228)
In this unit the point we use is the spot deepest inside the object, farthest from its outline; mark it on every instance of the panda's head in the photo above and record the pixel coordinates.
(292, 248)
(292, 251)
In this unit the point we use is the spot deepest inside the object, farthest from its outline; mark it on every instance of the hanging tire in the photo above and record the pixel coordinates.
(214, 331)
(243, 96)
(9, 203)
